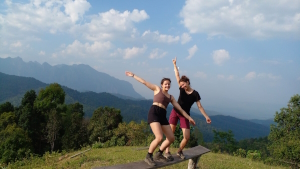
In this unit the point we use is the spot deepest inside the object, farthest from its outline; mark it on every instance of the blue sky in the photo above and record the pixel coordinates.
(241, 56)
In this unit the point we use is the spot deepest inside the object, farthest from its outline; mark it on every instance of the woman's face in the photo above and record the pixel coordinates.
(184, 85)
(166, 85)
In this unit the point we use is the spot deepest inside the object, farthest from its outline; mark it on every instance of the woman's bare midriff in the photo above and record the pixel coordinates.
(159, 105)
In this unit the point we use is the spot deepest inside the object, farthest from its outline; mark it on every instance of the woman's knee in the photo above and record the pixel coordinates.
(159, 139)
(186, 137)
(171, 138)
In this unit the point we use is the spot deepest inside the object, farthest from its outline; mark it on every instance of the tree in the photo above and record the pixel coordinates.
(50, 103)
(14, 144)
(75, 131)
(224, 141)
(285, 136)
(7, 118)
(6, 107)
(134, 134)
(102, 123)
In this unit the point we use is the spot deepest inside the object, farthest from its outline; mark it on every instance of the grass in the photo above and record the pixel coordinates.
(122, 155)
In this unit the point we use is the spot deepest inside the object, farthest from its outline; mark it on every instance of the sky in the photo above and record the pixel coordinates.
(241, 56)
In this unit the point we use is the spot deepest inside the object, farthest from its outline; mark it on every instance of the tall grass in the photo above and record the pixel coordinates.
(122, 155)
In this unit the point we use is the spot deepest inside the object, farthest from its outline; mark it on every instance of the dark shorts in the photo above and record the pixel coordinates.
(157, 114)
(174, 117)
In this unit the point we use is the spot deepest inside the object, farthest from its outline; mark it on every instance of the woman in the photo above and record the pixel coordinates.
(186, 99)
(157, 117)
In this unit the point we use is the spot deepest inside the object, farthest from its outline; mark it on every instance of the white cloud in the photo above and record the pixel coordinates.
(16, 44)
(221, 77)
(201, 75)
(269, 76)
(230, 77)
(111, 24)
(185, 38)
(41, 16)
(36, 16)
(192, 51)
(76, 9)
(86, 50)
(250, 76)
(242, 18)
(156, 54)
(253, 75)
(220, 56)
(42, 52)
(129, 53)
(272, 62)
(160, 37)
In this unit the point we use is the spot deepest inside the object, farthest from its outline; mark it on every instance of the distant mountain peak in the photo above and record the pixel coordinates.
(80, 77)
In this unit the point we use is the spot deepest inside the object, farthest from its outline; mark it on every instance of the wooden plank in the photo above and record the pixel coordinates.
(189, 154)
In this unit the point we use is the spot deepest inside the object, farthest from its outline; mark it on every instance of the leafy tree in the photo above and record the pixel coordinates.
(31, 121)
(75, 134)
(6, 119)
(15, 144)
(224, 141)
(133, 133)
(285, 136)
(102, 123)
(50, 103)
(6, 107)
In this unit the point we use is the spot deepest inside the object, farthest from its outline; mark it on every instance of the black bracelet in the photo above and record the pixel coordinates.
(133, 75)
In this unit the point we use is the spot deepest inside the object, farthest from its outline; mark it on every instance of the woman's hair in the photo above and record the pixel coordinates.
(164, 79)
(184, 79)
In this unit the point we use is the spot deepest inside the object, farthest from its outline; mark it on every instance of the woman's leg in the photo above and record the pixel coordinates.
(169, 137)
(158, 132)
(186, 137)
(173, 127)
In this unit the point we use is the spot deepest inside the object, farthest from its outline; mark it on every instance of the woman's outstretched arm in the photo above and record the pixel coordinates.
(148, 84)
(176, 71)
(201, 109)
(177, 106)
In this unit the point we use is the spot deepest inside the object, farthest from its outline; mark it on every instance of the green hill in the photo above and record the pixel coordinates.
(122, 155)
(12, 89)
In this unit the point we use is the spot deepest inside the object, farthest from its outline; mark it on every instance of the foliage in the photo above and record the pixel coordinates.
(103, 122)
(75, 128)
(254, 154)
(6, 119)
(14, 145)
(285, 136)
(224, 142)
(133, 134)
(240, 153)
(6, 107)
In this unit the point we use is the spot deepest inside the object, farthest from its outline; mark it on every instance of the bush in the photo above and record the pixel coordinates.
(240, 153)
(254, 155)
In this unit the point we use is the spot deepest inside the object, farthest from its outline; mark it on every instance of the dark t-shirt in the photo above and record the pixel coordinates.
(187, 100)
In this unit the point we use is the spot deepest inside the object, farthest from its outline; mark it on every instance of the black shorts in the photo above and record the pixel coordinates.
(157, 114)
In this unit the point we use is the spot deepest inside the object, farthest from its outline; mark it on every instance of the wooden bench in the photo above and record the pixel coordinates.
(192, 154)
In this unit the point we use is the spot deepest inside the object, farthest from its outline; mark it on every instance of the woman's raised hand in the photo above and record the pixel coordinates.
(130, 74)
(174, 61)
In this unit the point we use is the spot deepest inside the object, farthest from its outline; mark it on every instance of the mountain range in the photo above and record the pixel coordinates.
(79, 77)
(12, 89)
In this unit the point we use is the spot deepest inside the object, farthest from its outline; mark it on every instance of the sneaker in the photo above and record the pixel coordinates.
(159, 157)
(149, 160)
(181, 155)
(169, 156)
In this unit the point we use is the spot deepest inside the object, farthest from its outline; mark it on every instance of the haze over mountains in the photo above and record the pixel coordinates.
(79, 77)
(13, 88)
